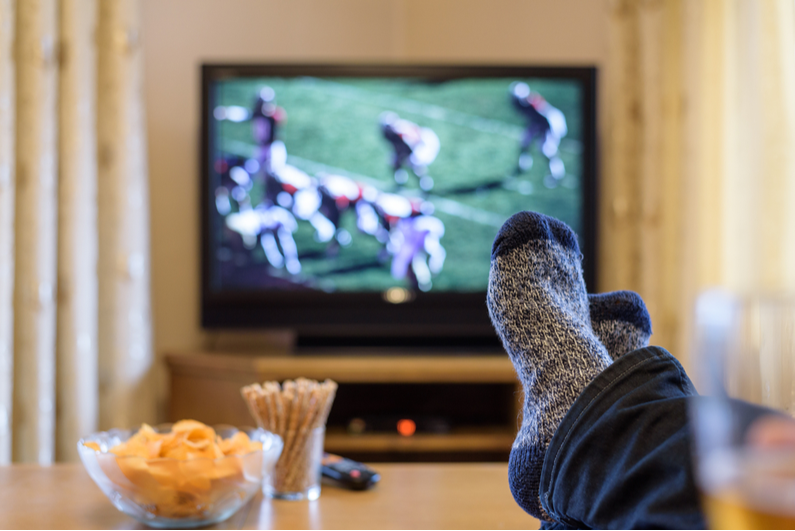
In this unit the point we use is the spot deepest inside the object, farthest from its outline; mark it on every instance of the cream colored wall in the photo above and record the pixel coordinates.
(179, 35)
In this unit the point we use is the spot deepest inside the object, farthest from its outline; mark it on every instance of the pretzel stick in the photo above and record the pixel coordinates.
(297, 388)
(251, 403)
(288, 395)
(269, 402)
(295, 409)
(331, 392)
(262, 406)
(279, 402)
(291, 406)
(256, 396)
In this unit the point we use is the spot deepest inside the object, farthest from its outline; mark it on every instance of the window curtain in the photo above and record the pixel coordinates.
(75, 327)
(698, 185)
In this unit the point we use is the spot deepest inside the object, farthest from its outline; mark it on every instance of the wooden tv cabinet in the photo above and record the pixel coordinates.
(206, 386)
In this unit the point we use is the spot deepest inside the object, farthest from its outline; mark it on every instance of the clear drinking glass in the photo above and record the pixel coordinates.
(297, 473)
(744, 349)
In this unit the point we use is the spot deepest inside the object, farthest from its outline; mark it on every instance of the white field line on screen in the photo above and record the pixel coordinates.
(448, 206)
(434, 112)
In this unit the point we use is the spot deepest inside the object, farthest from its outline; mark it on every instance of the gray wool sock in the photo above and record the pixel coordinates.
(620, 321)
(539, 307)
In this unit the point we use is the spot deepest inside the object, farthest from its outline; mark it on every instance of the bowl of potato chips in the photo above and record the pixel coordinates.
(180, 475)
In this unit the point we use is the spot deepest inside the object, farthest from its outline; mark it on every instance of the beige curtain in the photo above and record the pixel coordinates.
(74, 270)
(699, 174)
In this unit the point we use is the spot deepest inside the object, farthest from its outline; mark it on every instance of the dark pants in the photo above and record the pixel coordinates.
(621, 458)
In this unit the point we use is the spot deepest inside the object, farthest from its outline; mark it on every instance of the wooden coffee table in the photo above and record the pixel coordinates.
(409, 496)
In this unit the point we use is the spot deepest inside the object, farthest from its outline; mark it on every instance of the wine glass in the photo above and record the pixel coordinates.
(744, 356)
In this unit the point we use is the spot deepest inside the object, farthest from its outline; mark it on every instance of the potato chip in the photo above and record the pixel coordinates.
(188, 439)
(91, 444)
(238, 444)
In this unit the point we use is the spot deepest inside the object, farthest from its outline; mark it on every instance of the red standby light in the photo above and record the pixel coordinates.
(406, 427)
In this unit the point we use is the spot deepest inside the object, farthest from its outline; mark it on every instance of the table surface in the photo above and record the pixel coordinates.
(409, 496)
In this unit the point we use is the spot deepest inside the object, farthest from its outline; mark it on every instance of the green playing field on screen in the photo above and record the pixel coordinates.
(364, 184)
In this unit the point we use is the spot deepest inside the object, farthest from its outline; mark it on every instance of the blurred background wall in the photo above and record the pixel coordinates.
(179, 35)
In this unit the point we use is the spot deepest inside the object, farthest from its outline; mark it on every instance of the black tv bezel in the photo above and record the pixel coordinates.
(435, 317)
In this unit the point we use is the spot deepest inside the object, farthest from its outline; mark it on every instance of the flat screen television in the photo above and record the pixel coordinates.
(357, 204)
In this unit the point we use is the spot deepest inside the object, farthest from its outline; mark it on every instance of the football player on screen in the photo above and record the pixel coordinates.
(272, 227)
(545, 125)
(414, 243)
(266, 117)
(413, 146)
(408, 232)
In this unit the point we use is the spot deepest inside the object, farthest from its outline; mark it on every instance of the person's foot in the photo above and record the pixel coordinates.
(539, 307)
(620, 321)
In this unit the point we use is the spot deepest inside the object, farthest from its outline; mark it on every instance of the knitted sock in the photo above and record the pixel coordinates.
(539, 307)
(620, 321)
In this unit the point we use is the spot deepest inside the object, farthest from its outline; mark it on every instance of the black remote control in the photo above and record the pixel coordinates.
(347, 473)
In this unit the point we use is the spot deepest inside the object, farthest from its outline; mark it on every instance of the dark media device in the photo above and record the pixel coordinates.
(357, 204)
(347, 473)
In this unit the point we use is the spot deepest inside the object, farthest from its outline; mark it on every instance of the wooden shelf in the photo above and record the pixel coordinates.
(475, 440)
(206, 387)
(368, 367)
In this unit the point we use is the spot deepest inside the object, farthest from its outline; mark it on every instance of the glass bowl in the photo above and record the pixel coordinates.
(179, 493)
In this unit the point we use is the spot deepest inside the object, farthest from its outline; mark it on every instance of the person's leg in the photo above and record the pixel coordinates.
(539, 308)
(621, 457)
(525, 161)
(620, 321)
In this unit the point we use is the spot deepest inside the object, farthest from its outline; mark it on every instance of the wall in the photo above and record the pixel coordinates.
(179, 35)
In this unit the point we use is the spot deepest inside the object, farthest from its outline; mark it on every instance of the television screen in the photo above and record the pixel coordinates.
(385, 181)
